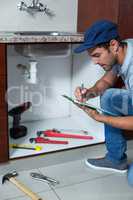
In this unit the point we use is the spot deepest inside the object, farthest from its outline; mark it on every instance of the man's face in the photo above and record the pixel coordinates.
(103, 57)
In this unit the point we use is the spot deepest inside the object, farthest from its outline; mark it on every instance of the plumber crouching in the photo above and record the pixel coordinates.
(103, 44)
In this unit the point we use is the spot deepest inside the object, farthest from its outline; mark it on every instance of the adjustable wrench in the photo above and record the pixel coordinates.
(44, 178)
(46, 141)
(56, 133)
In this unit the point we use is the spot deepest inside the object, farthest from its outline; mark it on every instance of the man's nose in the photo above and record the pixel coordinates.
(96, 61)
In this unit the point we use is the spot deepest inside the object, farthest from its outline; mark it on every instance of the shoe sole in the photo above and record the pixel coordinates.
(104, 168)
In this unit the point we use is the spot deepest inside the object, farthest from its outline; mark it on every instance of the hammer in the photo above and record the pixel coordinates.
(10, 177)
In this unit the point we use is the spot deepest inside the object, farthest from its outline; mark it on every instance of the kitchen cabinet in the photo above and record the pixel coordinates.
(3, 106)
(6, 40)
(90, 11)
(118, 11)
(125, 18)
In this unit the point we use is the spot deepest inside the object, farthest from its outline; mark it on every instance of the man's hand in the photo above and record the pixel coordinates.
(84, 94)
(92, 113)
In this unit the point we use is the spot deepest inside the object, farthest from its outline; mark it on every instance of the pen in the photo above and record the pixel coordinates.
(82, 87)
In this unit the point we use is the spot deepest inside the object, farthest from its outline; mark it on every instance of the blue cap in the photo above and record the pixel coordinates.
(100, 32)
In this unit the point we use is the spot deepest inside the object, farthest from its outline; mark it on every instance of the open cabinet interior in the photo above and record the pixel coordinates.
(56, 71)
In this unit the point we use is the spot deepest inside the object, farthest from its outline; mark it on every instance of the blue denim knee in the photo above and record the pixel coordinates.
(118, 101)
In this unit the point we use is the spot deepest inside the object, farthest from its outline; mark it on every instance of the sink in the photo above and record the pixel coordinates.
(47, 33)
(51, 49)
(41, 50)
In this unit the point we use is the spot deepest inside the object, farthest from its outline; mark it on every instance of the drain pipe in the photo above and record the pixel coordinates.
(29, 71)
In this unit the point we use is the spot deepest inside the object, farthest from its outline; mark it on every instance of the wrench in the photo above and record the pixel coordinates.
(44, 178)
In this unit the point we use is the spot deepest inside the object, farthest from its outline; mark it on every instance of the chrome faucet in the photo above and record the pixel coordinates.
(35, 2)
(36, 6)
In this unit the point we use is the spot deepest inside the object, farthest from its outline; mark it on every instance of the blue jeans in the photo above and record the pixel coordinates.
(118, 101)
(130, 175)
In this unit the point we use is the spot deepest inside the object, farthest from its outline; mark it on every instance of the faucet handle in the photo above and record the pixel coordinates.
(36, 6)
(22, 5)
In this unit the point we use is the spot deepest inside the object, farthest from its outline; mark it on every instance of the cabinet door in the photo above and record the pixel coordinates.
(90, 11)
(125, 21)
(3, 106)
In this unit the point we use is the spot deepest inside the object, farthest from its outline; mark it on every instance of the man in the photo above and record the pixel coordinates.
(116, 57)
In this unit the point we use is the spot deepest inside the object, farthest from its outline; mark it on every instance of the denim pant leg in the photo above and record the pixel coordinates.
(118, 101)
(130, 175)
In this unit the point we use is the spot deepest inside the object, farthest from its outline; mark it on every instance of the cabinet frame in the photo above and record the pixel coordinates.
(4, 140)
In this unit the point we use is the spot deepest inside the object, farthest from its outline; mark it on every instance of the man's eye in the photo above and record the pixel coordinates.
(96, 55)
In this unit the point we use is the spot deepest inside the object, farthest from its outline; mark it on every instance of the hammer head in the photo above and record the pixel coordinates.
(8, 176)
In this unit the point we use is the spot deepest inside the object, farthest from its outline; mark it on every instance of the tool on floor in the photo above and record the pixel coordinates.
(71, 130)
(28, 147)
(18, 130)
(46, 179)
(11, 177)
(47, 141)
(57, 133)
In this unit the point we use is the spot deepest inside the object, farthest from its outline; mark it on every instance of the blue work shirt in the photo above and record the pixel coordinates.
(126, 69)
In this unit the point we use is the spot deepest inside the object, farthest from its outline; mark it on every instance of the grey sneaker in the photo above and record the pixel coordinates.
(105, 164)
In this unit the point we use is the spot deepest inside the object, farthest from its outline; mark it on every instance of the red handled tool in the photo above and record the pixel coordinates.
(47, 141)
(56, 133)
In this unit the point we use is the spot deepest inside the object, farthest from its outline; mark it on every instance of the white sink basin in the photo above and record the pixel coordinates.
(49, 49)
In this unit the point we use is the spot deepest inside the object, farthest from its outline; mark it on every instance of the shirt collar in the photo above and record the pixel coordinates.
(128, 57)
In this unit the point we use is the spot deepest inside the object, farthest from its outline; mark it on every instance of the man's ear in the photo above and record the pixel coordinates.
(114, 45)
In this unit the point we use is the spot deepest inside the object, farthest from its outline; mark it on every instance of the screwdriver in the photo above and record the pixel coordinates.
(16, 146)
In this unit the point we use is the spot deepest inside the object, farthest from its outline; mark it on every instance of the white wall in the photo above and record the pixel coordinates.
(54, 79)
(12, 19)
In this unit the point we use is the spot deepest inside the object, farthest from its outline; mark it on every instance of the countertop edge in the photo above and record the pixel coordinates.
(41, 39)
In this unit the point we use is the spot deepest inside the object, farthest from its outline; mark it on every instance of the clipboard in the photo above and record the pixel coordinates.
(88, 105)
